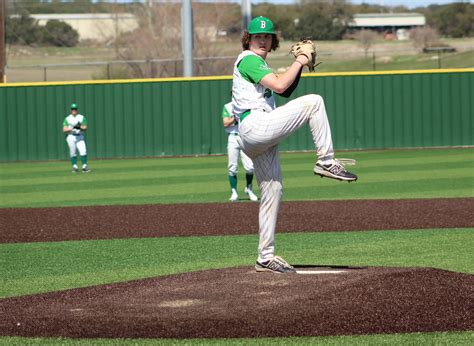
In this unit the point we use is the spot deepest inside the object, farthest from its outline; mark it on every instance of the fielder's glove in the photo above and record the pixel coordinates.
(78, 126)
(307, 48)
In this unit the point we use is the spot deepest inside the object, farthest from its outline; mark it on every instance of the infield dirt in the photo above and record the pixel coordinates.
(238, 302)
(165, 220)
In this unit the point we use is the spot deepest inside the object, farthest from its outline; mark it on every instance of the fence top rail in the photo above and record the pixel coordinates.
(210, 78)
(141, 61)
(111, 62)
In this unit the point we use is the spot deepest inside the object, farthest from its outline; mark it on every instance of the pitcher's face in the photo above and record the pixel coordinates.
(261, 44)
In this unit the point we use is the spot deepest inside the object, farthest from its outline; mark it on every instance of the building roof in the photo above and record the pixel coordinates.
(81, 16)
(367, 20)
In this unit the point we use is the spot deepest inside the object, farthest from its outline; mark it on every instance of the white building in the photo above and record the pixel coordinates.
(103, 27)
(398, 23)
(94, 26)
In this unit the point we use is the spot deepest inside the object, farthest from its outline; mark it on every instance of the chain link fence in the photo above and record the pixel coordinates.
(223, 65)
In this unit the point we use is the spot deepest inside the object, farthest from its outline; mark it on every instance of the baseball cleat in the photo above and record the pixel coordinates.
(234, 196)
(85, 170)
(275, 265)
(335, 170)
(253, 197)
(75, 169)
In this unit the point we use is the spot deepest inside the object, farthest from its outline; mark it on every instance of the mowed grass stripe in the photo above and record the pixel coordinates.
(177, 162)
(437, 338)
(29, 268)
(39, 172)
(426, 188)
(431, 155)
(89, 200)
(397, 157)
(396, 173)
(93, 183)
(9, 170)
(293, 177)
(414, 163)
(443, 173)
(148, 195)
(140, 192)
(463, 164)
(461, 169)
(101, 175)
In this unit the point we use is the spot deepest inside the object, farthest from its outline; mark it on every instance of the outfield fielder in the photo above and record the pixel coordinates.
(262, 127)
(74, 125)
(233, 153)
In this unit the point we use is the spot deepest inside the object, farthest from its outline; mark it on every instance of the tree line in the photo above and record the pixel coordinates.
(329, 21)
(23, 29)
(320, 20)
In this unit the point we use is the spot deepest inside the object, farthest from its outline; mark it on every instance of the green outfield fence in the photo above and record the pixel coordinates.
(181, 116)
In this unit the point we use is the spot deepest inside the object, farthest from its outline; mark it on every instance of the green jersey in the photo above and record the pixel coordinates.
(72, 121)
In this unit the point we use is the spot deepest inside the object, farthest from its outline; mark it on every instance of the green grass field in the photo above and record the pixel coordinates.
(28, 268)
(427, 173)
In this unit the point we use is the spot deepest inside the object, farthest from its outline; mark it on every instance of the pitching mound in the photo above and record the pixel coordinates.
(241, 303)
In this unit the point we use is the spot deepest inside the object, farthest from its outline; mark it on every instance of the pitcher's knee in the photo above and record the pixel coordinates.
(270, 191)
(276, 188)
(315, 99)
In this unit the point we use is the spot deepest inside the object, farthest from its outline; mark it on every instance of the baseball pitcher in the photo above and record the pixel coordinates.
(262, 126)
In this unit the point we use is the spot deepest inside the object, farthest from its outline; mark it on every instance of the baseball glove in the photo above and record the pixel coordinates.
(78, 126)
(307, 48)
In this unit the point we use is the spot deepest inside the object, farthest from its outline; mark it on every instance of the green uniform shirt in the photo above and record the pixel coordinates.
(72, 121)
(253, 68)
(227, 113)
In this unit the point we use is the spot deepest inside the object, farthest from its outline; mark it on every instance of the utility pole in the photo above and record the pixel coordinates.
(187, 37)
(2, 41)
(246, 9)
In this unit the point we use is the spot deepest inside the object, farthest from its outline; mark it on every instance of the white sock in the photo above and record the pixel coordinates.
(327, 162)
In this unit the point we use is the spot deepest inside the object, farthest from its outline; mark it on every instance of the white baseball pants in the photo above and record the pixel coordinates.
(233, 152)
(260, 134)
(76, 143)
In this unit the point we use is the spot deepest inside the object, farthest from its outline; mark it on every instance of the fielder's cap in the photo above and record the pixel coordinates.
(73, 106)
(261, 25)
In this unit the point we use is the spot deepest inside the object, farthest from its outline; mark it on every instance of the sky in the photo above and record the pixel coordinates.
(391, 3)
(406, 3)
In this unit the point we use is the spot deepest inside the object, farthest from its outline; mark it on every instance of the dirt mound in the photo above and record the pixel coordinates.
(242, 303)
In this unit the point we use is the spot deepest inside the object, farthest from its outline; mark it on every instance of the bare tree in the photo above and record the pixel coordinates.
(154, 49)
(424, 37)
(366, 38)
(158, 37)
(209, 20)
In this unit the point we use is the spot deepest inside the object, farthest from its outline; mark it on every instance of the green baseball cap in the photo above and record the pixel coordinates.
(261, 25)
(73, 106)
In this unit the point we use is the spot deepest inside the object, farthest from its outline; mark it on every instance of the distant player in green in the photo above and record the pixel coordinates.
(74, 125)
(233, 153)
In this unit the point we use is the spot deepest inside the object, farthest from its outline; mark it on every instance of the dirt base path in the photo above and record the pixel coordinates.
(110, 222)
(231, 303)
(238, 302)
